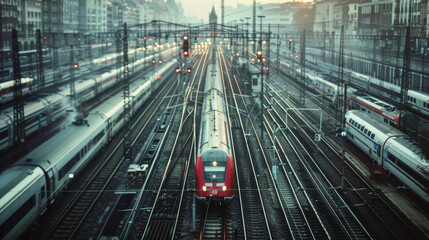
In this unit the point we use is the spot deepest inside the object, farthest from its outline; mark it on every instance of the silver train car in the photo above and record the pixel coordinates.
(42, 112)
(31, 184)
(418, 101)
(390, 149)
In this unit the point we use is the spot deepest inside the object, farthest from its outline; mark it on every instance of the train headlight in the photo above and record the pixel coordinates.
(214, 163)
(224, 188)
(71, 175)
(204, 188)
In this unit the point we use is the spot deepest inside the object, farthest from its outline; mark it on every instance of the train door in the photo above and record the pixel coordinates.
(51, 186)
(378, 155)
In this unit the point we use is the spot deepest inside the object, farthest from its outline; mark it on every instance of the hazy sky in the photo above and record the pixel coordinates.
(201, 8)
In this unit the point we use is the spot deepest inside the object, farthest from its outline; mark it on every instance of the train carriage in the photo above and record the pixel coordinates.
(22, 199)
(391, 149)
(214, 168)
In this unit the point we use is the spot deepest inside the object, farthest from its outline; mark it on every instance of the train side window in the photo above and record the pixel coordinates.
(369, 133)
(385, 120)
(362, 128)
(372, 136)
(17, 216)
(255, 81)
(365, 131)
(4, 134)
(424, 104)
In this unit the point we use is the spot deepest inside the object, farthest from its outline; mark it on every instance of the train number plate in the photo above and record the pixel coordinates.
(214, 192)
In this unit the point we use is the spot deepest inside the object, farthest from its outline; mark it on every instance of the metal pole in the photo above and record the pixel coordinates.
(343, 124)
(278, 48)
(254, 26)
(193, 212)
(18, 101)
(262, 82)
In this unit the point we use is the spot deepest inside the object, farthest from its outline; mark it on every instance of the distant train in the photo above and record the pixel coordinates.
(107, 61)
(378, 109)
(41, 112)
(419, 101)
(391, 149)
(214, 166)
(31, 184)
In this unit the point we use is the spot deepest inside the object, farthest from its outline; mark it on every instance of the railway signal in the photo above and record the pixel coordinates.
(75, 66)
(189, 70)
(185, 46)
(153, 61)
(177, 70)
(290, 43)
(259, 55)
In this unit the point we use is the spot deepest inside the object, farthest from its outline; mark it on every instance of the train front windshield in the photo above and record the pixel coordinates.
(214, 173)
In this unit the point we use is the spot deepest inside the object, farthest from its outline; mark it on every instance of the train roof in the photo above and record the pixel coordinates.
(373, 124)
(213, 77)
(10, 83)
(386, 107)
(55, 148)
(18, 177)
(419, 95)
(407, 147)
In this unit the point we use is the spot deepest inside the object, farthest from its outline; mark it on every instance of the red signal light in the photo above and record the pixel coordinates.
(189, 70)
(75, 66)
(44, 37)
(185, 53)
(78, 39)
(177, 70)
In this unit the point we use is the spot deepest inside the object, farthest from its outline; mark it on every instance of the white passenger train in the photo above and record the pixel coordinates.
(419, 101)
(41, 112)
(378, 109)
(391, 149)
(31, 184)
(107, 61)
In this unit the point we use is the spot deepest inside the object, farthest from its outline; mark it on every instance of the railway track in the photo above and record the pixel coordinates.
(214, 223)
(327, 220)
(73, 218)
(257, 216)
(163, 217)
(360, 193)
(169, 179)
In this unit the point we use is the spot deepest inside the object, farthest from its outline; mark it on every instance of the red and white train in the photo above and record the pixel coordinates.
(418, 101)
(377, 108)
(214, 167)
